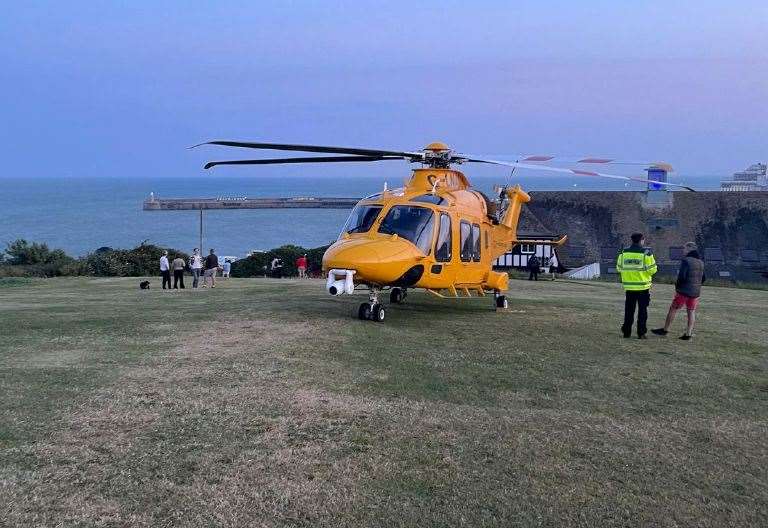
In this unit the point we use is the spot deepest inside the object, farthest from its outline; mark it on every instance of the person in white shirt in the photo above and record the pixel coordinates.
(553, 265)
(165, 270)
(196, 265)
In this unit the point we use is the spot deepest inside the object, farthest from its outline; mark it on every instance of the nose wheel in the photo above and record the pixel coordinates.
(372, 310)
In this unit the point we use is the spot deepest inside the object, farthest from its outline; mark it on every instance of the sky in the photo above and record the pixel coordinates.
(119, 89)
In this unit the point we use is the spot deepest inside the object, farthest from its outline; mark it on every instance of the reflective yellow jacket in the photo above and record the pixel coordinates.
(637, 267)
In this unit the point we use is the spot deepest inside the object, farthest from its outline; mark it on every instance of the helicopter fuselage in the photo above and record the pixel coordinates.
(435, 233)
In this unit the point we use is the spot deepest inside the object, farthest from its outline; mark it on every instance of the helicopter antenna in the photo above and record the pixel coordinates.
(509, 176)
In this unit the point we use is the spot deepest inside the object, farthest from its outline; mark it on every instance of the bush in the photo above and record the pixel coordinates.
(257, 263)
(23, 259)
(140, 261)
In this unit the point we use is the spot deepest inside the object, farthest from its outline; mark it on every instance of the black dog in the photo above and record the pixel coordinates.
(144, 285)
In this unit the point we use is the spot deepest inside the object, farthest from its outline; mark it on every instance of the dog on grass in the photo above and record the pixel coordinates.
(144, 285)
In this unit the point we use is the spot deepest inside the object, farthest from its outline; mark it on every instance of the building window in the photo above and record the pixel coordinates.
(527, 249)
(444, 240)
(466, 241)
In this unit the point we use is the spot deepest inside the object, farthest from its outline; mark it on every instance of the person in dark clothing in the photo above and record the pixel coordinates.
(533, 268)
(211, 267)
(178, 272)
(687, 291)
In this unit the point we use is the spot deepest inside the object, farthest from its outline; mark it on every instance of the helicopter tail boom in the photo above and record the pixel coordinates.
(517, 197)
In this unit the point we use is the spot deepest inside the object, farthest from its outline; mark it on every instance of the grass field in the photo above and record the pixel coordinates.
(263, 403)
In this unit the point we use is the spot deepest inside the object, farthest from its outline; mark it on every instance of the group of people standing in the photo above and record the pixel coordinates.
(206, 267)
(276, 267)
(549, 265)
(637, 266)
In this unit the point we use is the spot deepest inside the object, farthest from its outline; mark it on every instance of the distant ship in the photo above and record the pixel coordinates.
(753, 178)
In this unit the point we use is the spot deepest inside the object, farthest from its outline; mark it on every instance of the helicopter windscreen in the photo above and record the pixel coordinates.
(411, 223)
(361, 219)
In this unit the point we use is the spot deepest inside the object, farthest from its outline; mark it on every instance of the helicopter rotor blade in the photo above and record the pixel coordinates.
(413, 156)
(589, 160)
(316, 159)
(576, 172)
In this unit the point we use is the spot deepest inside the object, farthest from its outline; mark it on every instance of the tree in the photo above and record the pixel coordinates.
(21, 252)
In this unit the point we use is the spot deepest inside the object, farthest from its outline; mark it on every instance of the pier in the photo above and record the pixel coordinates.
(298, 202)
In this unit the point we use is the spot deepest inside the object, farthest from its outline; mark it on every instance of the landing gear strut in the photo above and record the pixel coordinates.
(500, 301)
(372, 310)
(397, 295)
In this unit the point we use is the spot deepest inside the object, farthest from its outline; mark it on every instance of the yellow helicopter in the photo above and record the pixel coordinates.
(436, 233)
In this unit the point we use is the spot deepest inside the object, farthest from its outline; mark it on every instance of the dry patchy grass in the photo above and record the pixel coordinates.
(265, 405)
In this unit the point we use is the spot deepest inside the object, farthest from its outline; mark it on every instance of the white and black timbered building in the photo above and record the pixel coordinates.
(518, 257)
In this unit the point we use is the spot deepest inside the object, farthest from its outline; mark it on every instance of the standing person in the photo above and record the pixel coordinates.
(533, 268)
(227, 267)
(687, 291)
(165, 270)
(277, 268)
(178, 273)
(196, 265)
(637, 266)
(211, 267)
(554, 264)
(301, 265)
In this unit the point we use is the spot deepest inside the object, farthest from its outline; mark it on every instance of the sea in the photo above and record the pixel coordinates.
(80, 215)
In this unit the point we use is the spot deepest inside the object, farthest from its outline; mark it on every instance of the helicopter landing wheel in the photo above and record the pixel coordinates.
(378, 313)
(501, 302)
(364, 312)
(397, 295)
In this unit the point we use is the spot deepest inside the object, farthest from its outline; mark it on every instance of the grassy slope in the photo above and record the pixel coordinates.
(264, 402)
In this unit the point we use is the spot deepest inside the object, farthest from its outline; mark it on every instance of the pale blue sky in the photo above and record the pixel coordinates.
(120, 88)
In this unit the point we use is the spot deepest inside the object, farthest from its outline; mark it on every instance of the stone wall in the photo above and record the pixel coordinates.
(732, 228)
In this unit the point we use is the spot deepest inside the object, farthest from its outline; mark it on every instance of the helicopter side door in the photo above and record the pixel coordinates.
(442, 269)
(471, 269)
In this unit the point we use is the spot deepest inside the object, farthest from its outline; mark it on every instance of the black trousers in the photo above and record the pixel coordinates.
(178, 279)
(534, 275)
(166, 278)
(641, 299)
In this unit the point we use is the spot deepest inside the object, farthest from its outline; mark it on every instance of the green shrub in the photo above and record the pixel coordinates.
(140, 261)
(258, 263)
(24, 259)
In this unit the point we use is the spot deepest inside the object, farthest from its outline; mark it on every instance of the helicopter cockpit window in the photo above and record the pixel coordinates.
(476, 242)
(361, 219)
(428, 198)
(466, 241)
(411, 223)
(444, 240)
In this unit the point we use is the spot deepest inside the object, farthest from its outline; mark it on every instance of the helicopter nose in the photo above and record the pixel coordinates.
(380, 261)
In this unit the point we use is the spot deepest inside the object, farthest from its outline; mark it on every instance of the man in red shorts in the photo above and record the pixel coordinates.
(687, 291)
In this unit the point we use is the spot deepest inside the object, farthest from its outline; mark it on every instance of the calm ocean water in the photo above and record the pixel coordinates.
(80, 215)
